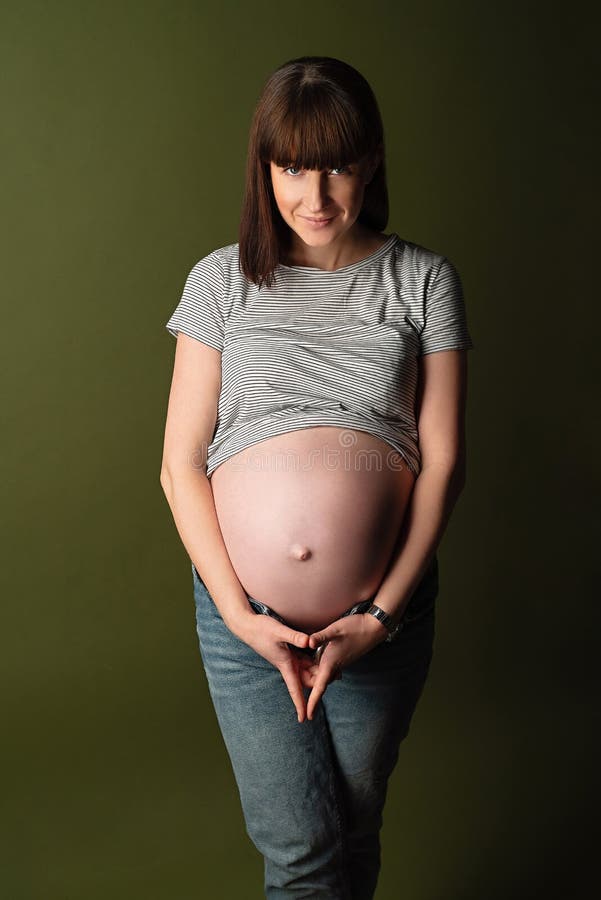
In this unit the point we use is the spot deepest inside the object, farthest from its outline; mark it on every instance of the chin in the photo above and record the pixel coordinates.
(325, 231)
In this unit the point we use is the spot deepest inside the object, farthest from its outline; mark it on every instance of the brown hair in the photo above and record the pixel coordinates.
(314, 112)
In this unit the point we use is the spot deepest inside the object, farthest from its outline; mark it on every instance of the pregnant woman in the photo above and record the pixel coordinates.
(314, 450)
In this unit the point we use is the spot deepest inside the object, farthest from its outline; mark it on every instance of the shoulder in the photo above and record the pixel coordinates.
(226, 254)
(422, 264)
(217, 258)
(428, 278)
(220, 264)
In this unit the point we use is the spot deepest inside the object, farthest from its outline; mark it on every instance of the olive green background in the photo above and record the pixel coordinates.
(124, 131)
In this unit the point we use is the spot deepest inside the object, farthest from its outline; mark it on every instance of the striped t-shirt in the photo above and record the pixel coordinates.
(323, 347)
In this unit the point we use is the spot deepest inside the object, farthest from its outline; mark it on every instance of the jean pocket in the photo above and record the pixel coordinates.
(199, 586)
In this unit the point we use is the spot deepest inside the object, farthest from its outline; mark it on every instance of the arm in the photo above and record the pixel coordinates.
(191, 418)
(441, 405)
(440, 401)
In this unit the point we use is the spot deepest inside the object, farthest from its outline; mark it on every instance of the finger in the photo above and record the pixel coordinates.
(315, 696)
(324, 676)
(306, 669)
(305, 661)
(308, 677)
(293, 682)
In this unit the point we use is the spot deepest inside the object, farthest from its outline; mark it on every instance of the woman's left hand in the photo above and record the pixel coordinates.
(345, 640)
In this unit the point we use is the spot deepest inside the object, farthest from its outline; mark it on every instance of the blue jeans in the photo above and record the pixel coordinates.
(313, 793)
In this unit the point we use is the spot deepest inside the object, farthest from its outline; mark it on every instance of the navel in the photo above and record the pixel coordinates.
(298, 551)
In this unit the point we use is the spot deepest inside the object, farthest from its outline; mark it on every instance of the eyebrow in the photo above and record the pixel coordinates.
(336, 166)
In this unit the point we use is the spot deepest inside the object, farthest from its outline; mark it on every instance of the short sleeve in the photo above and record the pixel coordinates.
(445, 321)
(199, 312)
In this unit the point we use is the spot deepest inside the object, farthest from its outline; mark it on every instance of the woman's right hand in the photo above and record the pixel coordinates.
(270, 638)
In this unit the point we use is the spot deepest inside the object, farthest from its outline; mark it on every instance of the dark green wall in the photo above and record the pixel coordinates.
(124, 137)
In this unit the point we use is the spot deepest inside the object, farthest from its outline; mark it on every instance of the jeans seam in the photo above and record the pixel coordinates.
(342, 877)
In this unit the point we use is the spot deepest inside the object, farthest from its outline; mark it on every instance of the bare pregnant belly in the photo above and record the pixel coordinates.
(310, 519)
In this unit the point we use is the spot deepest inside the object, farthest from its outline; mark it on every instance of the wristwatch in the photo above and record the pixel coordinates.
(386, 620)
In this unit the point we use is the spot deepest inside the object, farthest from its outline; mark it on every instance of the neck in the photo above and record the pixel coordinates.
(347, 249)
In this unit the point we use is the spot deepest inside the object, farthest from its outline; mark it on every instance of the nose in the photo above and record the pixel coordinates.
(316, 192)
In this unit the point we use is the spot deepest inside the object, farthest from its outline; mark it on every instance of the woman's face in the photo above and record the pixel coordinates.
(334, 197)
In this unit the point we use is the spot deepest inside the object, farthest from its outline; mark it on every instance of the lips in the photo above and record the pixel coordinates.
(319, 221)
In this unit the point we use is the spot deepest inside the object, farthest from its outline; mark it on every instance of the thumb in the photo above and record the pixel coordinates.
(320, 637)
(298, 638)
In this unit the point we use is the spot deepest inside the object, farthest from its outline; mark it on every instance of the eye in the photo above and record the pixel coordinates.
(342, 169)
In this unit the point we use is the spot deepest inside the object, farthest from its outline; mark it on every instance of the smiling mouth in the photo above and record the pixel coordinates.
(326, 219)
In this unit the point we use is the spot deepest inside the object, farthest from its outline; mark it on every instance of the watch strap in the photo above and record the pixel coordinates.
(378, 613)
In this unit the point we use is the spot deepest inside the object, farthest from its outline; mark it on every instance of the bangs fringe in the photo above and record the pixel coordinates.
(314, 132)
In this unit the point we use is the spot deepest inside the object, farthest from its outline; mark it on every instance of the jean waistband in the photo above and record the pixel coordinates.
(260, 607)
(420, 604)
(263, 609)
